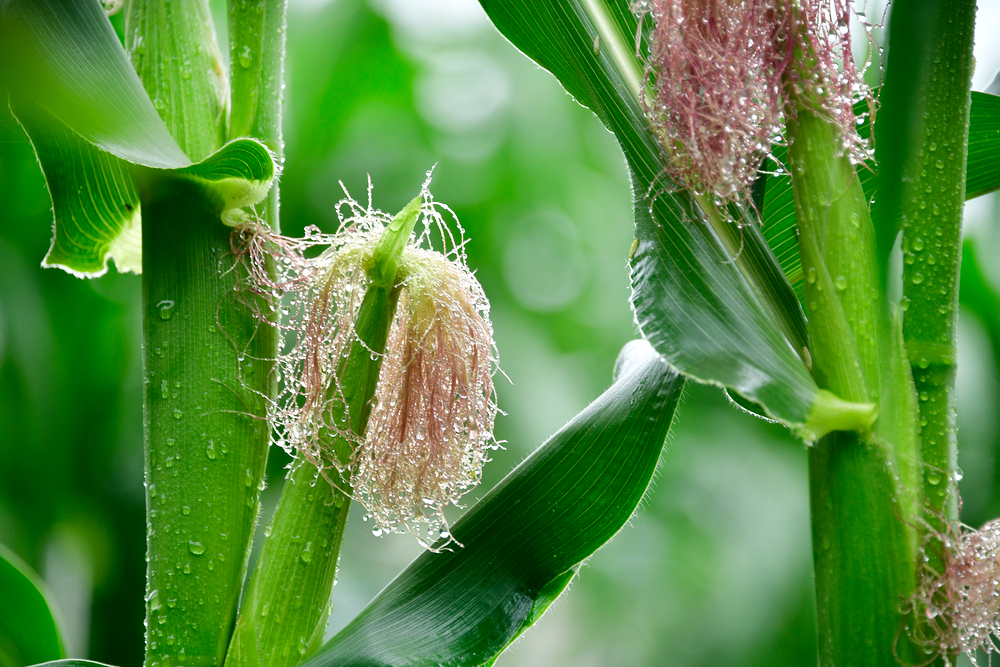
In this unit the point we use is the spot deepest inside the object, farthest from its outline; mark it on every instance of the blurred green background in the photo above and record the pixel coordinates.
(715, 567)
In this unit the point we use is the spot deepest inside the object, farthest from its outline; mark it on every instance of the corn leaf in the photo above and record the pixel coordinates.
(525, 540)
(29, 632)
(712, 301)
(97, 135)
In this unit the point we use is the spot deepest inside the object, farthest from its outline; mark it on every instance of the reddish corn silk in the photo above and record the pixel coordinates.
(432, 419)
(718, 75)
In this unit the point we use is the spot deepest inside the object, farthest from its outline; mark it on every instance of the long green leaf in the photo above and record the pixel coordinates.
(525, 539)
(778, 219)
(72, 662)
(29, 632)
(91, 170)
(67, 55)
(983, 166)
(710, 298)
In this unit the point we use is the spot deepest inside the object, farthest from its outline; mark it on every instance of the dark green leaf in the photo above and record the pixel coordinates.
(983, 167)
(72, 662)
(28, 629)
(525, 539)
(710, 297)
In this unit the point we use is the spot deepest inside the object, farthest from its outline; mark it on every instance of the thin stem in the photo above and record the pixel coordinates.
(287, 604)
(862, 548)
(933, 195)
(257, 32)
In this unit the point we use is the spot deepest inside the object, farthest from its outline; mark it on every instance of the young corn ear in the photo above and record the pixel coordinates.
(432, 419)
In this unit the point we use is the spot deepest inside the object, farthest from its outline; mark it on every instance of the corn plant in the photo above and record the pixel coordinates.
(768, 195)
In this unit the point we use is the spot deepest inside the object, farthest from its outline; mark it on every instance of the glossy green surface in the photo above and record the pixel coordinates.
(29, 632)
(525, 539)
(734, 323)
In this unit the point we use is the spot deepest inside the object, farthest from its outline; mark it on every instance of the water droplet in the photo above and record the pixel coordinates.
(245, 57)
(811, 275)
(307, 553)
(178, 414)
(856, 220)
(197, 548)
(164, 389)
(917, 278)
(154, 600)
(918, 244)
(159, 104)
(248, 479)
(185, 510)
(171, 602)
(166, 308)
(840, 283)
(161, 620)
(210, 450)
(933, 478)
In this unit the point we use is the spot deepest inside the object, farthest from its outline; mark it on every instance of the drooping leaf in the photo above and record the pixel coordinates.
(94, 199)
(96, 202)
(90, 153)
(29, 632)
(525, 539)
(711, 298)
(92, 147)
(64, 56)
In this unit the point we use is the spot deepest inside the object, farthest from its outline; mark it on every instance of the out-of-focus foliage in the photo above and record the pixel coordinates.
(714, 569)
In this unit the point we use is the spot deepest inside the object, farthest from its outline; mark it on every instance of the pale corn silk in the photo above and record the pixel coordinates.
(717, 76)
(962, 605)
(431, 425)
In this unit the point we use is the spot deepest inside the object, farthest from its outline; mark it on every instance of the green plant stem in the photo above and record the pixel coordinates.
(257, 32)
(933, 195)
(173, 48)
(206, 357)
(287, 604)
(862, 550)
(206, 360)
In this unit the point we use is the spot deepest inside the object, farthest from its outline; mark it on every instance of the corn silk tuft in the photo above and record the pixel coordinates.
(718, 73)
(962, 605)
(431, 425)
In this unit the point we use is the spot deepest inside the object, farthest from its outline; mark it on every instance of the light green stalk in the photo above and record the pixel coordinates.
(257, 58)
(933, 190)
(862, 549)
(206, 358)
(287, 604)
